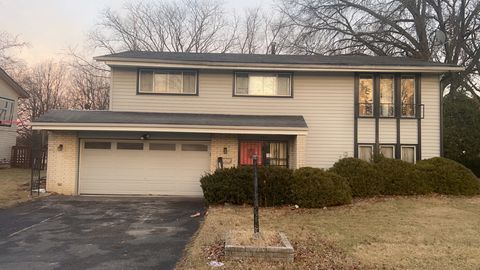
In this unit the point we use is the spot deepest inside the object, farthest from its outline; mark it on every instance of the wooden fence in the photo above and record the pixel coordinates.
(22, 158)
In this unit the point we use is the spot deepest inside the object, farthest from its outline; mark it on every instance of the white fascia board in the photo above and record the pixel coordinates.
(276, 67)
(170, 128)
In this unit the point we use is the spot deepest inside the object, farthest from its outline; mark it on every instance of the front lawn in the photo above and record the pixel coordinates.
(432, 232)
(14, 186)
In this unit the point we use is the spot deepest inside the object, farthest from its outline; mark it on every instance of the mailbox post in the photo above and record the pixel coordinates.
(256, 226)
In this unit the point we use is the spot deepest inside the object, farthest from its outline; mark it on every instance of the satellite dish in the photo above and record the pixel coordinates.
(440, 37)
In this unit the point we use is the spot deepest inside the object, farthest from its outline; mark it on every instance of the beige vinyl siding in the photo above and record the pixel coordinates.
(431, 122)
(366, 130)
(324, 99)
(388, 131)
(8, 135)
(408, 131)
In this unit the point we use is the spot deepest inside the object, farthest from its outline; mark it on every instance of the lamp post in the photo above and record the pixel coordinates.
(256, 226)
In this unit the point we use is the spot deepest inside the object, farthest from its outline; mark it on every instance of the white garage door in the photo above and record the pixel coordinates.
(138, 167)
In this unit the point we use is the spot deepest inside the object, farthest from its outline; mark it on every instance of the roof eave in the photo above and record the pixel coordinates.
(137, 62)
(55, 126)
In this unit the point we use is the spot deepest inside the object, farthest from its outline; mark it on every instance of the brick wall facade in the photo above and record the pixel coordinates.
(219, 142)
(62, 162)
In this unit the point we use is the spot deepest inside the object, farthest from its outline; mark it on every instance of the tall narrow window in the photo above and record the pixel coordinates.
(365, 96)
(408, 96)
(408, 154)
(365, 152)
(387, 105)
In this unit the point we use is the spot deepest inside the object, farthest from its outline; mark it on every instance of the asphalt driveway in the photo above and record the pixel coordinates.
(60, 232)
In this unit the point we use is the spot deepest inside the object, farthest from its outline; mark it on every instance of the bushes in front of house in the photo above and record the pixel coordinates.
(395, 177)
(315, 188)
(449, 177)
(307, 187)
(362, 177)
(349, 177)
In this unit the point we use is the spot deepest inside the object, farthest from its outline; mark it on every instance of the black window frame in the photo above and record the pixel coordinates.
(264, 153)
(418, 107)
(234, 89)
(197, 81)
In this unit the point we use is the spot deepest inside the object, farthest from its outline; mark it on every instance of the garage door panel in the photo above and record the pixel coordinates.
(156, 172)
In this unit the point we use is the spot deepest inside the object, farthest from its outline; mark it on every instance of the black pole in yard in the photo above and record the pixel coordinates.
(256, 226)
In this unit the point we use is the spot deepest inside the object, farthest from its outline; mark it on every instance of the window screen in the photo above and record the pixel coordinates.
(387, 106)
(129, 146)
(98, 145)
(408, 96)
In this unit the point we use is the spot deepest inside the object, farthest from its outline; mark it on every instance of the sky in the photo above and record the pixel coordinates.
(50, 27)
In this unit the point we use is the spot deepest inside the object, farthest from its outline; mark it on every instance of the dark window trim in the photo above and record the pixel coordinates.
(12, 110)
(397, 96)
(197, 86)
(265, 141)
(261, 71)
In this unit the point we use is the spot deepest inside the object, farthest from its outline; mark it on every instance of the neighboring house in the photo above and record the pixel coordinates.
(10, 92)
(175, 116)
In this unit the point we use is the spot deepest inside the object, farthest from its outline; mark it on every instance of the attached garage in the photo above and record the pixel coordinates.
(130, 167)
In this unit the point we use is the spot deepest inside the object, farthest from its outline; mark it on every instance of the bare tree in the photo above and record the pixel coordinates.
(176, 26)
(8, 43)
(89, 87)
(393, 28)
(46, 85)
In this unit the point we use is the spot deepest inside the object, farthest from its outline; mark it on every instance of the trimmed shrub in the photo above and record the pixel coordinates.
(235, 185)
(362, 176)
(315, 187)
(449, 177)
(402, 178)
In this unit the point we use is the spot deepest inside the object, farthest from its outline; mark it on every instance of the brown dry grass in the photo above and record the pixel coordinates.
(14, 186)
(434, 232)
(264, 238)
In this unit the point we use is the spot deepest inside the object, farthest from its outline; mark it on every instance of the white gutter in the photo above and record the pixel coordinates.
(168, 128)
(155, 63)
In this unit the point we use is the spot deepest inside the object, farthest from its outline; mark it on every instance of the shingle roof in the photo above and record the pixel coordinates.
(341, 60)
(111, 117)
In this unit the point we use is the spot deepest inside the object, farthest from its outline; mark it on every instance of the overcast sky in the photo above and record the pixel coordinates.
(51, 26)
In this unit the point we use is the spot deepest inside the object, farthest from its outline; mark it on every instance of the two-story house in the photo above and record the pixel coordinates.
(175, 116)
(10, 92)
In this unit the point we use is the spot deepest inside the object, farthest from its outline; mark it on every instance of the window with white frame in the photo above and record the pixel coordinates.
(387, 105)
(387, 151)
(167, 82)
(6, 111)
(365, 152)
(263, 84)
(408, 154)
(365, 95)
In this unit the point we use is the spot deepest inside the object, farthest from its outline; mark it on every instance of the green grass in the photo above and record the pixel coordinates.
(431, 232)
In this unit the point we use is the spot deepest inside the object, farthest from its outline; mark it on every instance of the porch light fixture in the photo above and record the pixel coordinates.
(60, 147)
(145, 136)
(225, 150)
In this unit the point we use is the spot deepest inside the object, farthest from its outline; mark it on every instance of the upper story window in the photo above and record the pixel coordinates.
(6, 112)
(408, 96)
(383, 95)
(387, 100)
(178, 82)
(263, 84)
(365, 95)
